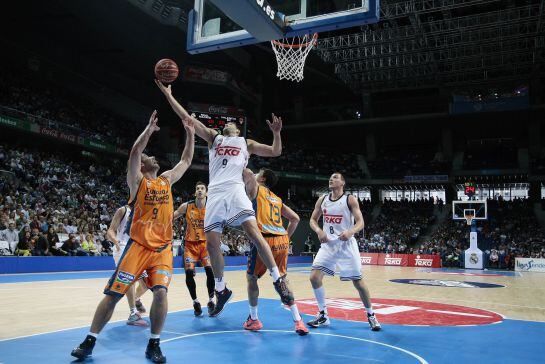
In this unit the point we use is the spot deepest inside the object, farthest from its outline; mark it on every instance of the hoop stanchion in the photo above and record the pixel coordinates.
(291, 54)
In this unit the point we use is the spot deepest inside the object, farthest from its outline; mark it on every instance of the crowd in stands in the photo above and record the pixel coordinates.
(310, 161)
(407, 161)
(23, 96)
(398, 226)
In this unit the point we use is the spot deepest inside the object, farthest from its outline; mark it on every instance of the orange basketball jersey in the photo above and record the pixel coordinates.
(194, 218)
(268, 211)
(151, 223)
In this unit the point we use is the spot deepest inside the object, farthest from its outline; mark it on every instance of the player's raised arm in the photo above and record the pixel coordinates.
(273, 150)
(293, 219)
(358, 219)
(250, 183)
(111, 234)
(180, 211)
(201, 130)
(134, 174)
(316, 214)
(179, 169)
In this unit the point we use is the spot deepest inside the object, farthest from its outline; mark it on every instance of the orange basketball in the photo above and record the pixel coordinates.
(166, 70)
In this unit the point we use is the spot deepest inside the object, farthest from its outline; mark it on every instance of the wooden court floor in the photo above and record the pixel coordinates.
(36, 305)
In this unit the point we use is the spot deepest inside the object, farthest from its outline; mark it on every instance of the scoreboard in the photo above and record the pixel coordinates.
(215, 117)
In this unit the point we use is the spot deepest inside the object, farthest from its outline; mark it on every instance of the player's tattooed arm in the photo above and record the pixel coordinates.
(273, 150)
(180, 212)
(134, 175)
(201, 130)
(250, 182)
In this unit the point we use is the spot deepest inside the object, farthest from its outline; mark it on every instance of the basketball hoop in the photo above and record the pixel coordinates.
(469, 215)
(291, 54)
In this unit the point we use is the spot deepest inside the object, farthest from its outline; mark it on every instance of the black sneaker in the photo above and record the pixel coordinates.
(373, 322)
(281, 288)
(153, 352)
(221, 300)
(197, 310)
(85, 349)
(321, 320)
(210, 306)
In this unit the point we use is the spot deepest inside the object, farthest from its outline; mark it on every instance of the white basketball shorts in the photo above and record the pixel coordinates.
(339, 254)
(227, 207)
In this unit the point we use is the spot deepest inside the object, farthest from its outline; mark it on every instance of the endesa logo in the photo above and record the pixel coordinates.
(333, 219)
(419, 262)
(227, 151)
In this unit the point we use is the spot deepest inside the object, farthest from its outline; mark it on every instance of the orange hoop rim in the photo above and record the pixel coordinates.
(284, 45)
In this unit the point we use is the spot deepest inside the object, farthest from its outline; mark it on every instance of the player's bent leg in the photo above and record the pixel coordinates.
(223, 294)
(158, 314)
(363, 291)
(192, 288)
(210, 287)
(134, 316)
(252, 323)
(321, 319)
(140, 290)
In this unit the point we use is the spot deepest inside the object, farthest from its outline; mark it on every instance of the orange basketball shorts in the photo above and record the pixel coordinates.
(280, 245)
(195, 251)
(137, 259)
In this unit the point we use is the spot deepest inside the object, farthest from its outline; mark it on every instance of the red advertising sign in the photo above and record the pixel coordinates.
(401, 260)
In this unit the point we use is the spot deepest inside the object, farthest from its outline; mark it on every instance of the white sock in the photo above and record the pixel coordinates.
(320, 298)
(370, 311)
(275, 274)
(155, 336)
(295, 312)
(253, 312)
(92, 334)
(219, 284)
(211, 299)
(133, 311)
(196, 300)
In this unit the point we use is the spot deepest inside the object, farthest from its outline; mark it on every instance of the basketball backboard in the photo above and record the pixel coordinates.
(462, 209)
(220, 24)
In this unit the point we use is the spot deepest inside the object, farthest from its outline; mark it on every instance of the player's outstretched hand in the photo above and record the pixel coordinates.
(189, 126)
(345, 235)
(153, 127)
(164, 89)
(322, 236)
(276, 124)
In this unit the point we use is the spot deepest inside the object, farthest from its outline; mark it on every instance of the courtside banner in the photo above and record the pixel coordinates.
(401, 260)
(369, 258)
(424, 261)
(530, 265)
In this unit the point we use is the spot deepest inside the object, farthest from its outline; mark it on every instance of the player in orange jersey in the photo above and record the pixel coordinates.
(195, 246)
(269, 210)
(150, 244)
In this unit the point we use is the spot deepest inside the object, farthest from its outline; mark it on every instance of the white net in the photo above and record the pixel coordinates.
(291, 54)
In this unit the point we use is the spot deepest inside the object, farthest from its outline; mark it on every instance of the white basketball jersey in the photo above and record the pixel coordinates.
(227, 159)
(122, 236)
(337, 216)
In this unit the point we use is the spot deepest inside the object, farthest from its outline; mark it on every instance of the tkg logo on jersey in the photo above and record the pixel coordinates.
(227, 151)
(333, 219)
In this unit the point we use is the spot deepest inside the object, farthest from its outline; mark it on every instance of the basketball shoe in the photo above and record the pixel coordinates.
(252, 325)
(373, 322)
(221, 300)
(300, 328)
(153, 352)
(197, 310)
(85, 349)
(321, 320)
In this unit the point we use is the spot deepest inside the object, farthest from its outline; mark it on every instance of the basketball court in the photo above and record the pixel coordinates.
(435, 323)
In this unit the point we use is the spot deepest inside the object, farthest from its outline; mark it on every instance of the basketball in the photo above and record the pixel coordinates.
(166, 70)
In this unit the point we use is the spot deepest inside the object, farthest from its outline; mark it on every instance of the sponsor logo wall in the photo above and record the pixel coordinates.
(401, 260)
(530, 265)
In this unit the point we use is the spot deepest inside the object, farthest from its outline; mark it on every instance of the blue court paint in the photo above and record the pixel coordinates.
(60, 276)
(207, 340)
(447, 283)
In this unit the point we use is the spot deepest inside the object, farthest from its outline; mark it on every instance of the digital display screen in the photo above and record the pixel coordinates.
(469, 189)
(218, 121)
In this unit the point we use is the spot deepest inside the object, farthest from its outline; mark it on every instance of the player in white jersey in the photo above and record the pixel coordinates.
(117, 234)
(342, 219)
(228, 204)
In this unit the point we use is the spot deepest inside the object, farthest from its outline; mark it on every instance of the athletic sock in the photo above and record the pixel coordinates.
(134, 311)
(253, 312)
(196, 300)
(275, 274)
(320, 298)
(92, 334)
(295, 312)
(155, 336)
(211, 299)
(370, 311)
(219, 284)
